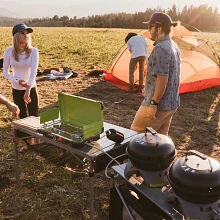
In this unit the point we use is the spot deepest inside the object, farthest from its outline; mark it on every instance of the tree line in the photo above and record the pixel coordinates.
(203, 17)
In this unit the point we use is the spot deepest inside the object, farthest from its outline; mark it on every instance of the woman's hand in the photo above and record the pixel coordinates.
(27, 98)
(22, 83)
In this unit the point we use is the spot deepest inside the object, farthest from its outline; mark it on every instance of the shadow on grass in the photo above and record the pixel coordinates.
(196, 123)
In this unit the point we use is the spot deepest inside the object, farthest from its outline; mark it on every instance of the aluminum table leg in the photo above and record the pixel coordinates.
(17, 170)
(91, 190)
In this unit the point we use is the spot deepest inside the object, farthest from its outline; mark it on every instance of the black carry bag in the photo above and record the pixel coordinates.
(139, 206)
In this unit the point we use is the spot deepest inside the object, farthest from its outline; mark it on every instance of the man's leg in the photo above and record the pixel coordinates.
(141, 121)
(142, 62)
(132, 65)
(161, 124)
(165, 118)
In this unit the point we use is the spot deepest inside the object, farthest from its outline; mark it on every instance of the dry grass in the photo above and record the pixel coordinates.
(48, 189)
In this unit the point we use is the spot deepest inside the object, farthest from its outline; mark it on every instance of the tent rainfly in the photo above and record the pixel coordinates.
(199, 69)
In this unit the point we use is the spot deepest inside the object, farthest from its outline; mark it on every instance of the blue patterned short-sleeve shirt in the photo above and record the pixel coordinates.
(164, 60)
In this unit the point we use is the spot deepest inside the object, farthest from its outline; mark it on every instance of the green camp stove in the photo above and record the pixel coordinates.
(76, 120)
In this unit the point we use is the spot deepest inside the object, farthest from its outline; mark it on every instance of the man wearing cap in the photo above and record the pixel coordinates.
(23, 58)
(162, 80)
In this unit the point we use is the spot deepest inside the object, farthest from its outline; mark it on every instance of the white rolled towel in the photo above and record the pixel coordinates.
(56, 73)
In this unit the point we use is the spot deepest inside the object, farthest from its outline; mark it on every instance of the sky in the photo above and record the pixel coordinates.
(131, 5)
(83, 8)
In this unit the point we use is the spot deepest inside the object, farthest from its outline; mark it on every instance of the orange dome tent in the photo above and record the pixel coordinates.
(199, 69)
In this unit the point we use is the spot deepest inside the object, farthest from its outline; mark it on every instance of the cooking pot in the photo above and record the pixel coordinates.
(196, 178)
(151, 151)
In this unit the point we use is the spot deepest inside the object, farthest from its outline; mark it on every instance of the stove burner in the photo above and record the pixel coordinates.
(65, 131)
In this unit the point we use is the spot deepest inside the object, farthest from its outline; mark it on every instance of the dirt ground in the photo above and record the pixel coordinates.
(55, 186)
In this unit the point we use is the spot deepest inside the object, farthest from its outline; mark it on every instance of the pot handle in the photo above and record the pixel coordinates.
(154, 133)
(200, 155)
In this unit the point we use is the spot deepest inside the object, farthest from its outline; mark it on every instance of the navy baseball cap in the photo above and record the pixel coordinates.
(21, 27)
(160, 19)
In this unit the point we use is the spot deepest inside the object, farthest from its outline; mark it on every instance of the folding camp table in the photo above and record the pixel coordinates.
(98, 152)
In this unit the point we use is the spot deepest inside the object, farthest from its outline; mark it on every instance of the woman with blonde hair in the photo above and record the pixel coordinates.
(23, 59)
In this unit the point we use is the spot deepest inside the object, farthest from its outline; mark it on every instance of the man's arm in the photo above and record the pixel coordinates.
(160, 88)
(10, 105)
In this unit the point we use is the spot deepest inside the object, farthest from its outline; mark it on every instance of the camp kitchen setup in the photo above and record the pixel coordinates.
(166, 187)
(76, 126)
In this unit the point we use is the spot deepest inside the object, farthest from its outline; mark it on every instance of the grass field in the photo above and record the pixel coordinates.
(80, 48)
(53, 184)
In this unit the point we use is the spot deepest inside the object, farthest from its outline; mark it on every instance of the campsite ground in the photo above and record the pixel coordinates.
(53, 184)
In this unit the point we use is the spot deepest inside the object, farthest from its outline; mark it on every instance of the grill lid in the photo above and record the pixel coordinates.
(151, 151)
(196, 178)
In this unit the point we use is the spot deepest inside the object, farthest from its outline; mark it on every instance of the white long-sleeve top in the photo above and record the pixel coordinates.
(24, 69)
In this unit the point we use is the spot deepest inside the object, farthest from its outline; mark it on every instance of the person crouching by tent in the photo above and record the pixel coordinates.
(139, 51)
(162, 80)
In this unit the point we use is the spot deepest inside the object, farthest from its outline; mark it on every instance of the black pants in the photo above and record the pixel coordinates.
(31, 109)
